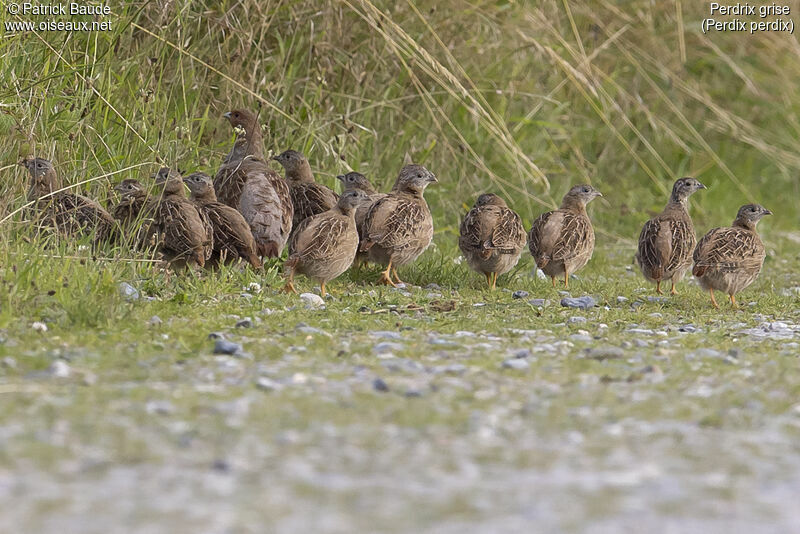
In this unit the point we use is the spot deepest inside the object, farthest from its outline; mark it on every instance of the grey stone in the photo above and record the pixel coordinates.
(216, 335)
(379, 385)
(386, 347)
(128, 291)
(59, 369)
(582, 303)
(605, 353)
(622, 300)
(39, 326)
(222, 346)
(539, 303)
(576, 320)
(518, 364)
(312, 300)
(267, 384)
(519, 294)
(154, 321)
(247, 322)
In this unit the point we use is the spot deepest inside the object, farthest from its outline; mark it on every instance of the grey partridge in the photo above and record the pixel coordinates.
(308, 197)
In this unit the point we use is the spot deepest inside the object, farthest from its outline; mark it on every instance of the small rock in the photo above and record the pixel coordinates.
(433, 286)
(385, 334)
(622, 300)
(651, 298)
(154, 321)
(59, 369)
(216, 335)
(540, 274)
(605, 353)
(128, 291)
(518, 364)
(379, 385)
(8, 362)
(222, 346)
(39, 326)
(247, 322)
(688, 328)
(582, 303)
(299, 378)
(159, 407)
(312, 300)
(576, 320)
(386, 347)
(581, 338)
(519, 294)
(267, 384)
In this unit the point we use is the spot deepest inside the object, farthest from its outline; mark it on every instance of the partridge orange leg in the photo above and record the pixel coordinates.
(322, 288)
(386, 278)
(566, 279)
(396, 278)
(494, 280)
(658, 287)
(713, 300)
(289, 287)
(672, 291)
(733, 301)
(553, 279)
(489, 280)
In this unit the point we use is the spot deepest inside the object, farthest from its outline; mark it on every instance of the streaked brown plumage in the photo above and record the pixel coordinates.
(266, 205)
(230, 180)
(491, 237)
(232, 236)
(324, 245)
(68, 213)
(133, 215)
(729, 259)
(562, 241)
(183, 235)
(399, 227)
(355, 181)
(667, 241)
(308, 197)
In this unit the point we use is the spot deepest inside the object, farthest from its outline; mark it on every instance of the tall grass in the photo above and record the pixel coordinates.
(520, 98)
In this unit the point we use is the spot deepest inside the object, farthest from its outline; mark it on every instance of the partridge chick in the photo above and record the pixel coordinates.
(354, 181)
(399, 227)
(491, 237)
(183, 235)
(68, 213)
(562, 241)
(266, 205)
(230, 179)
(667, 241)
(324, 245)
(730, 259)
(308, 197)
(232, 236)
(133, 215)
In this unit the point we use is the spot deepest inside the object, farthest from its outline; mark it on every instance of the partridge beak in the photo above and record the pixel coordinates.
(433, 179)
(701, 186)
(598, 193)
(767, 212)
(340, 177)
(227, 114)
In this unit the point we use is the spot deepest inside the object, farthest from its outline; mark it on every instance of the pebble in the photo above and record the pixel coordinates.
(159, 407)
(39, 326)
(518, 364)
(216, 335)
(310, 330)
(540, 274)
(581, 338)
(575, 320)
(605, 353)
(154, 321)
(519, 294)
(539, 303)
(247, 322)
(380, 385)
(651, 298)
(59, 369)
(8, 362)
(433, 286)
(267, 384)
(312, 300)
(222, 346)
(128, 291)
(387, 347)
(622, 300)
(688, 328)
(582, 303)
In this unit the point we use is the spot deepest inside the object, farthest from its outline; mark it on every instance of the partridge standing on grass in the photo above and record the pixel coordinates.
(562, 241)
(354, 181)
(232, 236)
(230, 180)
(308, 197)
(399, 227)
(491, 237)
(730, 259)
(68, 213)
(266, 205)
(133, 215)
(183, 235)
(667, 241)
(323, 246)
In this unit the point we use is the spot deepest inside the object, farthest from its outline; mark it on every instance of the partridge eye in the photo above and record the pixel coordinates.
(585, 189)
